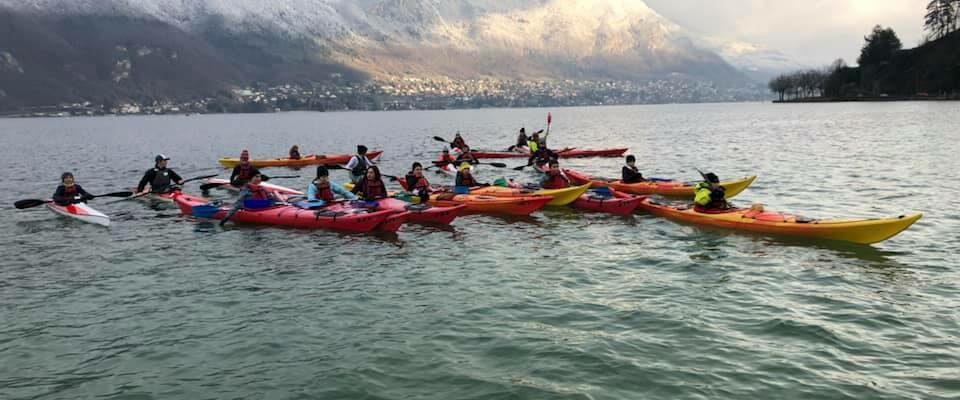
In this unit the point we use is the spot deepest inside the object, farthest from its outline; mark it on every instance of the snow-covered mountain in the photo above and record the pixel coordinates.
(756, 61)
(260, 40)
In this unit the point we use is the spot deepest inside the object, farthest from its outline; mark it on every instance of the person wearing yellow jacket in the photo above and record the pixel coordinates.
(709, 195)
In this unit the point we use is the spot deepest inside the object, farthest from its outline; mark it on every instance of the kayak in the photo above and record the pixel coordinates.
(564, 153)
(294, 217)
(561, 197)
(391, 224)
(167, 197)
(313, 159)
(620, 203)
(423, 213)
(491, 204)
(862, 231)
(280, 191)
(663, 188)
(80, 211)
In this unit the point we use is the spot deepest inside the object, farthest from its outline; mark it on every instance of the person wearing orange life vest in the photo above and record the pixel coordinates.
(69, 192)
(322, 191)
(244, 171)
(446, 158)
(555, 178)
(371, 186)
(252, 190)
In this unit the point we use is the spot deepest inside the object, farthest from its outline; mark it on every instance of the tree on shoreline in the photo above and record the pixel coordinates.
(942, 17)
(879, 47)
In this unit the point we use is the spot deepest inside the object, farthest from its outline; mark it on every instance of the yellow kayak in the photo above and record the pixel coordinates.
(561, 197)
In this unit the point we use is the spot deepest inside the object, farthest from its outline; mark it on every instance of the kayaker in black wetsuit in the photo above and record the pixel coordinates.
(371, 186)
(69, 192)
(521, 140)
(244, 171)
(709, 195)
(160, 178)
(295, 152)
(630, 173)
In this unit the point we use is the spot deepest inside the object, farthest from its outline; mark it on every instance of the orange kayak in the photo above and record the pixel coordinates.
(313, 159)
(491, 204)
(863, 231)
(663, 188)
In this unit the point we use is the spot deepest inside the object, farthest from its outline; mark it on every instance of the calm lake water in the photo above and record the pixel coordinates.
(563, 304)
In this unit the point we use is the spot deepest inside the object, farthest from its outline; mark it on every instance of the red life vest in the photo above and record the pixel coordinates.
(257, 192)
(323, 191)
(555, 180)
(245, 173)
(421, 184)
(70, 190)
(373, 190)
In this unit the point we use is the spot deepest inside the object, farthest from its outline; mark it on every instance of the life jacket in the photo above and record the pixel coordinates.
(361, 167)
(323, 191)
(373, 190)
(417, 184)
(555, 180)
(294, 155)
(70, 190)
(466, 180)
(459, 143)
(447, 157)
(245, 173)
(532, 145)
(257, 192)
(161, 181)
(707, 198)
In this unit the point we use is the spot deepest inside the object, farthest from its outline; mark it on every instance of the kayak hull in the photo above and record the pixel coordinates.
(862, 231)
(491, 205)
(313, 159)
(425, 214)
(669, 188)
(565, 153)
(561, 197)
(294, 217)
(619, 204)
(80, 211)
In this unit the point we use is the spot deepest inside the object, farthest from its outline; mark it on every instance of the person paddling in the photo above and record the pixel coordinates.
(323, 191)
(160, 178)
(295, 152)
(555, 178)
(252, 190)
(629, 173)
(359, 164)
(541, 156)
(521, 140)
(416, 183)
(709, 195)
(69, 192)
(465, 176)
(371, 186)
(467, 156)
(244, 171)
(446, 157)
(459, 143)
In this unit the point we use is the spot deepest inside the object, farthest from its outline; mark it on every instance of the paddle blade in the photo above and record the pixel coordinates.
(549, 118)
(116, 194)
(392, 178)
(285, 177)
(335, 166)
(497, 164)
(208, 186)
(199, 178)
(439, 139)
(520, 168)
(28, 203)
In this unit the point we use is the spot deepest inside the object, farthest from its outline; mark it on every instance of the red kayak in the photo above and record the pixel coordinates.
(564, 153)
(423, 213)
(294, 217)
(620, 203)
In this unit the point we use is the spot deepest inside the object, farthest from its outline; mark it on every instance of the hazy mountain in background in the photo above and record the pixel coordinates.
(56, 50)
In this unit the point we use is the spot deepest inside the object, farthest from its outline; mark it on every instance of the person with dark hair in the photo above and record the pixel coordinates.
(416, 183)
(629, 173)
(321, 190)
(295, 152)
(160, 178)
(709, 195)
(252, 192)
(371, 186)
(521, 139)
(555, 178)
(467, 156)
(244, 171)
(459, 143)
(359, 164)
(446, 158)
(69, 192)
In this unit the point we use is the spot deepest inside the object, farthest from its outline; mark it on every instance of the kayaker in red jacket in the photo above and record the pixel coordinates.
(416, 183)
(371, 186)
(69, 192)
(159, 177)
(555, 178)
(244, 171)
(629, 173)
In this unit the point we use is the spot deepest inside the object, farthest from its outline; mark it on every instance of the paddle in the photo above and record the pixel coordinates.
(29, 203)
(208, 186)
(549, 120)
(439, 163)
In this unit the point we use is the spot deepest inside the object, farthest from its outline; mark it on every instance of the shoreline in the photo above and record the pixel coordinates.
(868, 99)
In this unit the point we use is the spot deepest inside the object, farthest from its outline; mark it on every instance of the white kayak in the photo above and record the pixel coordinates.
(82, 212)
(282, 192)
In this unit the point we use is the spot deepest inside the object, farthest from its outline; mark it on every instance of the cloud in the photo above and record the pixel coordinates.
(814, 31)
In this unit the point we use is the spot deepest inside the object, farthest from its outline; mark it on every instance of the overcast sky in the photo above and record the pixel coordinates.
(815, 32)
